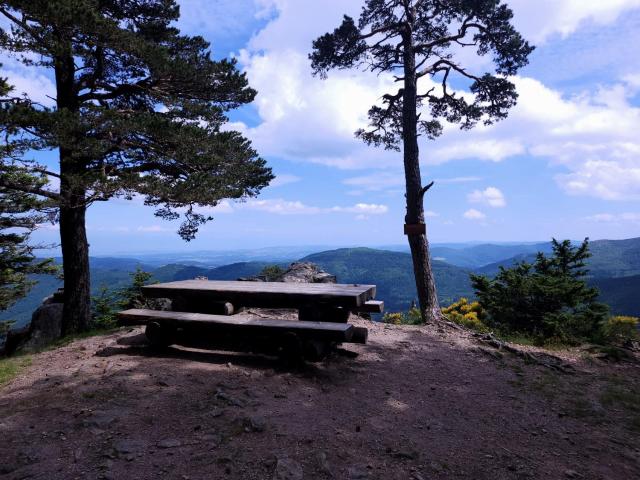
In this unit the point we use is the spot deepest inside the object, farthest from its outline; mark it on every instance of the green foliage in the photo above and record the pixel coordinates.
(131, 296)
(11, 367)
(105, 306)
(392, 273)
(412, 317)
(108, 303)
(143, 114)
(378, 42)
(20, 214)
(548, 300)
(621, 330)
(470, 315)
(271, 272)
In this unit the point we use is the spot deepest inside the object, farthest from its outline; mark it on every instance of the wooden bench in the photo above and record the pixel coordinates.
(286, 338)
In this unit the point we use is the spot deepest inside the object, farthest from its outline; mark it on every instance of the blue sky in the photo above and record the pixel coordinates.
(566, 163)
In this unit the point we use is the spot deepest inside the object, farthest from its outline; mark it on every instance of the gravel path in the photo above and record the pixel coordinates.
(416, 403)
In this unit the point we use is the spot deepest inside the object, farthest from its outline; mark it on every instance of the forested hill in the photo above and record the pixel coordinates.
(392, 272)
(615, 269)
(610, 259)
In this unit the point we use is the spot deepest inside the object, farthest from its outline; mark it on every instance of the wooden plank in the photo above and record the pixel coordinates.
(372, 306)
(333, 331)
(265, 294)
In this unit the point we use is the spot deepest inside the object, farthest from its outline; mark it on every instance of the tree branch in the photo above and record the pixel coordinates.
(27, 189)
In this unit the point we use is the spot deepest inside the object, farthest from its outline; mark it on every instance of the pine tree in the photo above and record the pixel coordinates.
(548, 299)
(20, 214)
(139, 109)
(416, 40)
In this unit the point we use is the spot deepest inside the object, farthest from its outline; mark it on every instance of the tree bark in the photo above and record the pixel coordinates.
(73, 234)
(75, 260)
(418, 243)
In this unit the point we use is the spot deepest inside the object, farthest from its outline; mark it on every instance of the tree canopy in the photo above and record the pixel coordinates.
(139, 109)
(440, 32)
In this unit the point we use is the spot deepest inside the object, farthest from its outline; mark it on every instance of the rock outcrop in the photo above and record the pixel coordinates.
(305, 272)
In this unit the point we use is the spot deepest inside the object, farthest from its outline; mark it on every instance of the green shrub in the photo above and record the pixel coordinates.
(271, 273)
(412, 317)
(621, 330)
(106, 305)
(548, 300)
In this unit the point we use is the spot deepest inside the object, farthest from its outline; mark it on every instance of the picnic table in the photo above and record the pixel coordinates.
(205, 314)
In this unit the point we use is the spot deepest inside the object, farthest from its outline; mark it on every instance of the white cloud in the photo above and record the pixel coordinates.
(538, 20)
(307, 119)
(295, 207)
(490, 196)
(628, 217)
(474, 214)
(284, 179)
(154, 229)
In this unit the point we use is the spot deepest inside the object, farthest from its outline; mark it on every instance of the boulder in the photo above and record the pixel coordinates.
(46, 326)
(306, 272)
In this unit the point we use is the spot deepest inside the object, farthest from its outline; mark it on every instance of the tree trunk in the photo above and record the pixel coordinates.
(73, 234)
(427, 295)
(75, 261)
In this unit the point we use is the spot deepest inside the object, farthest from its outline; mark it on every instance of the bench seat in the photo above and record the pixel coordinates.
(335, 332)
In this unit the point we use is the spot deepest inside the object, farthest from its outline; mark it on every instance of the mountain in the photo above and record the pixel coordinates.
(615, 258)
(621, 294)
(478, 255)
(233, 271)
(609, 259)
(392, 273)
(614, 269)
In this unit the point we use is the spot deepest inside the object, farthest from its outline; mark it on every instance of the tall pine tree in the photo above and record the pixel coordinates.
(421, 43)
(139, 109)
(20, 213)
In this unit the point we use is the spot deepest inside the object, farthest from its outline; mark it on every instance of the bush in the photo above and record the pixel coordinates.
(467, 314)
(105, 308)
(107, 304)
(412, 317)
(621, 330)
(548, 300)
(271, 273)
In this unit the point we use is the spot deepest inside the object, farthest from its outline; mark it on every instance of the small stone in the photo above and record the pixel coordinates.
(287, 469)
(169, 443)
(357, 473)
(254, 424)
(124, 447)
(229, 400)
(323, 464)
(572, 474)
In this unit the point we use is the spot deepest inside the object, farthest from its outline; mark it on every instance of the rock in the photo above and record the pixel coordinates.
(124, 447)
(100, 420)
(323, 464)
(254, 424)
(46, 326)
(572, 474)
(229, 400)
(169, 443)
(287, 469)
(357, 473)
(305, 272)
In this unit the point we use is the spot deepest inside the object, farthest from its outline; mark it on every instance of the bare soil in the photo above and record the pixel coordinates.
(415, 403)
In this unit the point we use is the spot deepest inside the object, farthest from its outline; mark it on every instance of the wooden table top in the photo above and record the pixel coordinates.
(267, 294)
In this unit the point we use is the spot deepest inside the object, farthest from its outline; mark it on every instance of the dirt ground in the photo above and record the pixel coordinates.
(415, 403)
